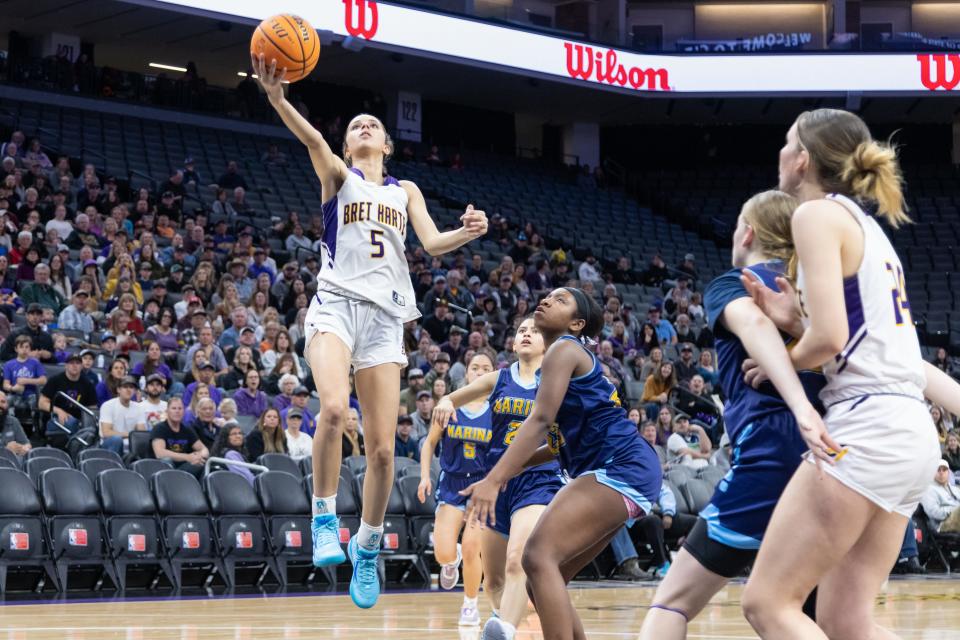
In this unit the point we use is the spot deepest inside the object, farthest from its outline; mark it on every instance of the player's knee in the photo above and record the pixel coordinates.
(757, 606)
(533, 561)
(470, 548)
(380, 455)
(333, 415)
(514, 564)
(493, 584)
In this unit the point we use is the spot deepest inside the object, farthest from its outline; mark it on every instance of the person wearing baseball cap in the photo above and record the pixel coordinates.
(299, 444)
(941, 500)
(40, 340)
(120, 416)
(415, 383)
(405, 445)
(423, 414)
(298, 400)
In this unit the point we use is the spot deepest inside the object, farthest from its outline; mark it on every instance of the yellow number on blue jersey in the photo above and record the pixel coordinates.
(469, 450)
(511, 432)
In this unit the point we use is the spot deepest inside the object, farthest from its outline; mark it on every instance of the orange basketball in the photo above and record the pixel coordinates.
(291, 41)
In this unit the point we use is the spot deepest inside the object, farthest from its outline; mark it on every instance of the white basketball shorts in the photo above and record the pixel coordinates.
(373, 336)
(892, 449)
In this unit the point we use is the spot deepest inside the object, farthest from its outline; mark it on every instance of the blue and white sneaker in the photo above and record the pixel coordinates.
(326, 540)
(661, 571)
(365, 583)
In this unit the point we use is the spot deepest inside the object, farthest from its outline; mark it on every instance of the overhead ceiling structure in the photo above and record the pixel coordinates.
(130, 34)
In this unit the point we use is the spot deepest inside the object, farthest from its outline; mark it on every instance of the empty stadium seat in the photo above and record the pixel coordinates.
(149, 466)
(238, 523)
(280, 462)
(35, 467)
(287, 511)
(90, 454)
(21, 527)
(72, 513)
(95, 466)
(130, 517)
(15, 461)
(356, 464)
(49, 452)
(420, 514)
(139, 447)
(185, 522)
(306, 466)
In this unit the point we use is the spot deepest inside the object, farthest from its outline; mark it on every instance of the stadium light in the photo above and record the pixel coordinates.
(169, 67)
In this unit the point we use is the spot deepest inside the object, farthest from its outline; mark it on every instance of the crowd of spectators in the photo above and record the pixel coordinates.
(139, 299)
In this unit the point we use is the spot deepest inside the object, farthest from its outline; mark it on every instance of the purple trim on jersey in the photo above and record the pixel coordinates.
(331, 223)
(845, 356)
(387, 180)
(851, 298)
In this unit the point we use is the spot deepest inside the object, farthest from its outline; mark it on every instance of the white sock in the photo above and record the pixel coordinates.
(470, 602)
(326, 505)
(369, 537)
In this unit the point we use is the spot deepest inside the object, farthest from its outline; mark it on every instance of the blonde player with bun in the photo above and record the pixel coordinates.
(364, 295)
(840, 522)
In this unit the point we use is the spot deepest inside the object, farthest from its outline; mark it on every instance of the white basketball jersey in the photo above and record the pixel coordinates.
(364, 228)
(882, 354)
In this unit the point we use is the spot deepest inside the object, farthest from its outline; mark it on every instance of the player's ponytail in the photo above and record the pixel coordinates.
(768, 213)
(847, 160)
(873, 174)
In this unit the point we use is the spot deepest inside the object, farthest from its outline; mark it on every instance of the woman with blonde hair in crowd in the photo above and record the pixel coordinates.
(353, 434)
(268, 437)
(257, 305)
(204, 282)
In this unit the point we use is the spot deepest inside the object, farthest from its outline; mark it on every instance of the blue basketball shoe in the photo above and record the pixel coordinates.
(365, 584)
(326, 540)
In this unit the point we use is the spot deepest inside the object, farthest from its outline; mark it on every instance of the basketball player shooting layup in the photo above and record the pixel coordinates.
(364, 295)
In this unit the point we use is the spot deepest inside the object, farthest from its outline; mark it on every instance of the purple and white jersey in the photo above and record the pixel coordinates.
(882, 354)
(365, 227)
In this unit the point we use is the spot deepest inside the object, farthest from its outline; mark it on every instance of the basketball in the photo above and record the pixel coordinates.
(291, 41)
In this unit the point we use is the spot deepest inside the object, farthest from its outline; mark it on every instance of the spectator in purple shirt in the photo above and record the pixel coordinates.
(206, 371)
(23, 375)
(250, 400)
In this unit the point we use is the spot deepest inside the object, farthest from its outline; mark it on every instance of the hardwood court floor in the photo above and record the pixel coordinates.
(917, 609)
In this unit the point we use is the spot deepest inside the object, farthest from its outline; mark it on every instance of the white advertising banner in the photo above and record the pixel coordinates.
(489, 45)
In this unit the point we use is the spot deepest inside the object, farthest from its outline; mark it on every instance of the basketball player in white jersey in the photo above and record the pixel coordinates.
(364, 295)
(840, 522)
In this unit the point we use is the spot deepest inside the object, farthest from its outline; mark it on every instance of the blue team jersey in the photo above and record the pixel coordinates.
(463, 446)
(510, 403)
(744, 403)
(593, 431)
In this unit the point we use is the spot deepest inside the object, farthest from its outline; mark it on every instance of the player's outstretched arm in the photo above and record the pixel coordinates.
(436, 243)
(330, 168)
(479, 389)
(557, 369)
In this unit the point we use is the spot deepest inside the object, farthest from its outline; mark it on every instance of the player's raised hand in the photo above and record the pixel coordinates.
(268, 77)
(782, 307)
(474, 221)
(444, 413)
